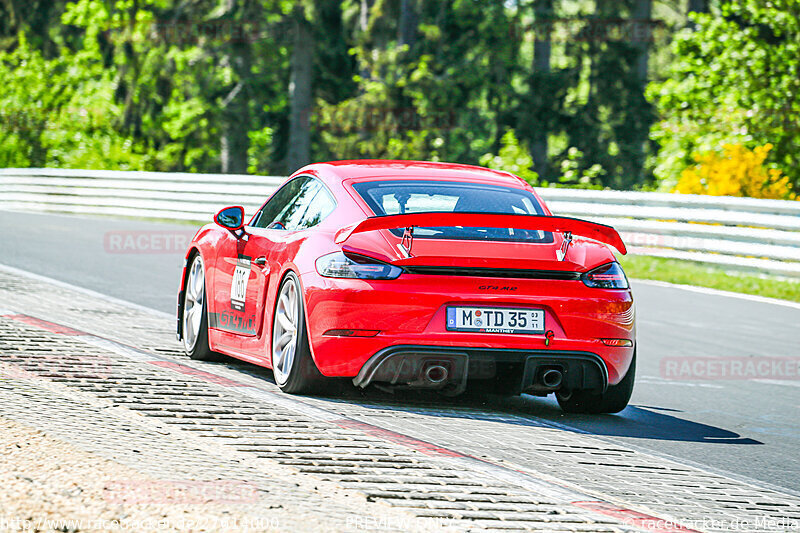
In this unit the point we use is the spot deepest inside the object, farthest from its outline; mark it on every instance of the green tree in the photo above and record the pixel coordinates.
(735, 80)
(265, 86)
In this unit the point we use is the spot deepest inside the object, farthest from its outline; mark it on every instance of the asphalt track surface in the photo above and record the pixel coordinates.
(747, 428)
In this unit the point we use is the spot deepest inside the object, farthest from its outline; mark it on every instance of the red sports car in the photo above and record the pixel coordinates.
(416, 275)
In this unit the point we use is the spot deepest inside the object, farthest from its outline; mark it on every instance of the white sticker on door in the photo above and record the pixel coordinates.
(241, 275)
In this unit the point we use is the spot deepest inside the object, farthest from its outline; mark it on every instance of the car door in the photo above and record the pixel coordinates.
(267, 237)
(229, 272)
(242, 267)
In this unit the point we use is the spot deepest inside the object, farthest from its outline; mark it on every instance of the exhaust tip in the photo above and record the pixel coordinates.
(552, 378)
(436, 374)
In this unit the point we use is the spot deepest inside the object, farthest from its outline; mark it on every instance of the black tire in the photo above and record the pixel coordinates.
(613, 400)
(197, 348)
(302, 375)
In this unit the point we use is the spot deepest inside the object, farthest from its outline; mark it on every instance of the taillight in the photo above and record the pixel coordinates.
(338, 265)
(608, 276)
(619, 343)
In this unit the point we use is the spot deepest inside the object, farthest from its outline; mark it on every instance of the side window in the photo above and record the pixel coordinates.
(282, 204)
(292, 217)
(320, 207)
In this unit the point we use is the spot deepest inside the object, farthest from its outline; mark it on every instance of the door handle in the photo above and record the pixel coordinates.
(260, 261)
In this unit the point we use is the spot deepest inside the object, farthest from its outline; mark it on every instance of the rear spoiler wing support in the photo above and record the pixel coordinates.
(408, 240)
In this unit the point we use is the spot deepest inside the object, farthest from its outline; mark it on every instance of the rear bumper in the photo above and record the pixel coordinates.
(411, 311)
(406, 366)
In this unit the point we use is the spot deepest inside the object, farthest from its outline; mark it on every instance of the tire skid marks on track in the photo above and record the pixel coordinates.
(398, 438)
(45, 325)
(95, 424)
(635, 518)
(458, 461)
(200, 374)
(123, 350)
(191, 409)
(658, 483)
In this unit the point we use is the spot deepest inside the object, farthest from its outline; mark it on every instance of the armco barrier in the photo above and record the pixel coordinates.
(735, 232)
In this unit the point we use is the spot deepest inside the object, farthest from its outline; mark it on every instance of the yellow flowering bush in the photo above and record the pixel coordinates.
(737, 171)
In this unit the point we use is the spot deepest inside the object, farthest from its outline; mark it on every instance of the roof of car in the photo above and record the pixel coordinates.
(399, 169)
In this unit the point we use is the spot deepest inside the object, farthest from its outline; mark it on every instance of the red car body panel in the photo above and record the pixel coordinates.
(417, 317)
(411, 309)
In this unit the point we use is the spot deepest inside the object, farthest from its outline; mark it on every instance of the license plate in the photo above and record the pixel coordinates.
(495, 320)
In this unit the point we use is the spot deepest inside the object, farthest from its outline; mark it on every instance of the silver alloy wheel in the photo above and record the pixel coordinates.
(193, 304)
(284, 332)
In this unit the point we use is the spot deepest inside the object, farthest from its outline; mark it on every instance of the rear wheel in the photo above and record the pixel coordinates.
(613, 400)
(195, 315)
(292, 364)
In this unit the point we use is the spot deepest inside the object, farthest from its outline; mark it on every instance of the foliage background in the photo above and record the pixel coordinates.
(695, 94)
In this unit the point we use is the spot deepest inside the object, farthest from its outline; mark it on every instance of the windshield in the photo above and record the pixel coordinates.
(406, 196)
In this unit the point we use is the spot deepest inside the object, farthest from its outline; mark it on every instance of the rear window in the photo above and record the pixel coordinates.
(405, 196)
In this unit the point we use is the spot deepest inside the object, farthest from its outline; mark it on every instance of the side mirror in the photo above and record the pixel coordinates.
(231, 218)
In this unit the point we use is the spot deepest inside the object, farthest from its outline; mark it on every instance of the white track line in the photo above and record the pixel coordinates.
(664, 284)
(88, 292)
(717, 292)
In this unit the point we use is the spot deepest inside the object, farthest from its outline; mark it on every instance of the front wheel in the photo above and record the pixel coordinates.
(195, 315)
(292, 364)
(613, 400)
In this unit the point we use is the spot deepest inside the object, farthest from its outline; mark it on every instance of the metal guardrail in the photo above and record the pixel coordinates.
(743, 233)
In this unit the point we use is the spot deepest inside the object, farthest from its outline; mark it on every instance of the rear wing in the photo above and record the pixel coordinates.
(566, 225)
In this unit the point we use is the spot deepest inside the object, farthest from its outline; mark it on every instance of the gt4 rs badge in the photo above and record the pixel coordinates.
(241, 275)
